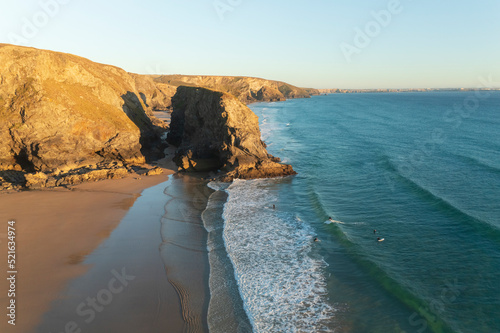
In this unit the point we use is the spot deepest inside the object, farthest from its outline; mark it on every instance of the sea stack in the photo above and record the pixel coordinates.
(215, 131)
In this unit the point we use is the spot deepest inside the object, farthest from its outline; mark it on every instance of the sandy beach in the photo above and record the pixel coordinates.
(71, 245)
(149, 275)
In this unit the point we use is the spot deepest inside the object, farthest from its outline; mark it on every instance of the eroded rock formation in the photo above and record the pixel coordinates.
(65, 119)
(215, 131)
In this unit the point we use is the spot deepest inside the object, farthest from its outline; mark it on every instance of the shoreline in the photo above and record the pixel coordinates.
(226, 311)
(55, 230)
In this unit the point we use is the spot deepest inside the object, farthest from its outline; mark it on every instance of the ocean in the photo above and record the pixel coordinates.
(419, 170)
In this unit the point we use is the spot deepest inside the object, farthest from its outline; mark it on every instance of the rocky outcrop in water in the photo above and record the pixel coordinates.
(215, 131)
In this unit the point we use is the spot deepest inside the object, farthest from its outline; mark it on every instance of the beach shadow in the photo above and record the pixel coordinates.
(151, 144)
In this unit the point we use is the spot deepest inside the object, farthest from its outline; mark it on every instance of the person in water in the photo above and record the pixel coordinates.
(374, 231)
(274, 207)
(316, 239)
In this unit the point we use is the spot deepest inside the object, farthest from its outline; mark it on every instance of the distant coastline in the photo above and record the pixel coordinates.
(354, 91)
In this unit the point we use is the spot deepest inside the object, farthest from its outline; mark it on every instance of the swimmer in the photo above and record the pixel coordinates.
(374, 231)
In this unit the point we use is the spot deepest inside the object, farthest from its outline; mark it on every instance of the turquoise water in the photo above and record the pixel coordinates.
(422, 169)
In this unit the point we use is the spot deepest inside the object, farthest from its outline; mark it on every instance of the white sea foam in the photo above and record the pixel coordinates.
(283, 288)
(267, 123)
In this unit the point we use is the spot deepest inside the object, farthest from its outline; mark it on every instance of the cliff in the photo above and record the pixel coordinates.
(397, 90)
(62, 111)
(215, 131)
(246, 89)
(155, 95)
(65, 119)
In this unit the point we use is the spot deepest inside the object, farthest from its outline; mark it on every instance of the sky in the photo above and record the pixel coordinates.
(315, 43)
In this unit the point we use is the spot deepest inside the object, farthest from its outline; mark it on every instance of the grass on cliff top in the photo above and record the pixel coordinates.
(236, 85)
(173, 80)
(77, 98)
(81, 100)
(285, 90)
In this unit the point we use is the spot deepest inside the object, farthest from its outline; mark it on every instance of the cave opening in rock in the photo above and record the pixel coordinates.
(22, 159)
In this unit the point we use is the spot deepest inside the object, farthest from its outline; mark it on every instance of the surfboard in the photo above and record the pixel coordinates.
(333, 221)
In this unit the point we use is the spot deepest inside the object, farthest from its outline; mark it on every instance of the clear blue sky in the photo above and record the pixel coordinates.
(447, 43)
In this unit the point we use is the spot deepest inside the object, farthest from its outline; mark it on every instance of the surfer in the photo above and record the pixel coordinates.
(330, 221)
(316, 239)
(374, 231)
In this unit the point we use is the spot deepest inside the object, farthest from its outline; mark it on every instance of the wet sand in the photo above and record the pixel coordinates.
(150, 275)
(56, 232)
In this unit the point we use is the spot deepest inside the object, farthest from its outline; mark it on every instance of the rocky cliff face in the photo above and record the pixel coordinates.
(62, 111)
(214, 130)
(246, 89)
(156, 95)
(65, 119)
